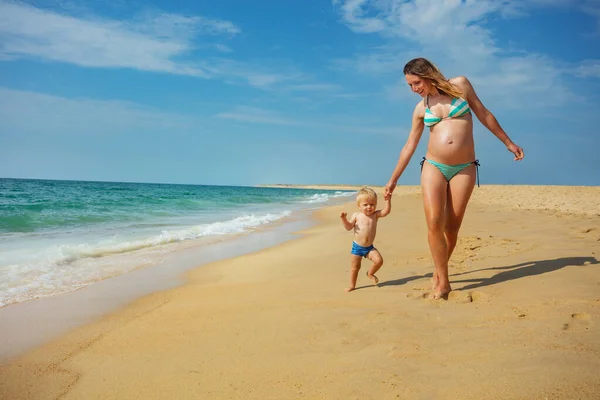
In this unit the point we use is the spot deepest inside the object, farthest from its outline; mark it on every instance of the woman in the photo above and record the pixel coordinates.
(448, 171)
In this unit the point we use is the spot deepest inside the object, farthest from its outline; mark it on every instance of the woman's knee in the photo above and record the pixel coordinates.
(436, 223)
(451, 229)
(452, 225)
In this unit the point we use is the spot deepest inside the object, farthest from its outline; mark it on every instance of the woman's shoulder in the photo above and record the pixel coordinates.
(462, 82)
(420, 108)
(458, 80)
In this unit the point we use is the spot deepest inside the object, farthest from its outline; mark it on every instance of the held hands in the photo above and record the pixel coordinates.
(516, 150)
(389, 189)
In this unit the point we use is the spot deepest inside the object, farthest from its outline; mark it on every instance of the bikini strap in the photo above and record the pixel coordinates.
(421, 163)
(477, 165)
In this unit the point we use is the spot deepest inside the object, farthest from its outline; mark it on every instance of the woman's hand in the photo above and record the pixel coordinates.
(389, 188)
(516, 150)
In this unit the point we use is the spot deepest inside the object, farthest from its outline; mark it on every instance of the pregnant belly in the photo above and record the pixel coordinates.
(450, 144)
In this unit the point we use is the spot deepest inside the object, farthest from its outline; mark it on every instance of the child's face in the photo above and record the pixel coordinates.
(367, 205)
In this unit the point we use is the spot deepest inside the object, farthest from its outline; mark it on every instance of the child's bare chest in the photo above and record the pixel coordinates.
(365, 224)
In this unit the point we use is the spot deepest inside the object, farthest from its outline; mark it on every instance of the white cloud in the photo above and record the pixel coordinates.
(354, 14)
(454, 35)
(150, 42)
(169, 26)
(157, 42)
(588, 68)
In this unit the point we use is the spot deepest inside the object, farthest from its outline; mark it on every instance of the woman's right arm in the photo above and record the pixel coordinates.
(409, 147)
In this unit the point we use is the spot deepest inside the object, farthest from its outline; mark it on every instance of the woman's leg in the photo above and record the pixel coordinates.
(459, 192)
(434, 188)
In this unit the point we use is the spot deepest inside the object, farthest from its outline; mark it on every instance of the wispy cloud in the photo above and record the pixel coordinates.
(157, 42)
(150, 43)
(457, 38)
(588, 68)
(222, 48)
(26, 112)
(592, 7)
(254, 74)
(315, 87)
(260, 116)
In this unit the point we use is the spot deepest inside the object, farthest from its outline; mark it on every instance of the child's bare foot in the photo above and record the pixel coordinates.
(373, 278)
(349, 289)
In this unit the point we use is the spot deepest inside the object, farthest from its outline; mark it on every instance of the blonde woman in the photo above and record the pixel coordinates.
(449, 169)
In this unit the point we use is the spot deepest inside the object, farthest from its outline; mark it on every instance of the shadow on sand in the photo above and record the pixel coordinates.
(511, 272)
(403, 281)
(521, 270)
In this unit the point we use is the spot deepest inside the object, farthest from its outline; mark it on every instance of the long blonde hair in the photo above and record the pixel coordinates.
(425, 69)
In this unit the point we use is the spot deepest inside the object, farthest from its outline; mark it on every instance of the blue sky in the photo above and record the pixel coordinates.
(288, 91)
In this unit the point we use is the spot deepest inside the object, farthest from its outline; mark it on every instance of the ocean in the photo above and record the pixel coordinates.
(59, 236)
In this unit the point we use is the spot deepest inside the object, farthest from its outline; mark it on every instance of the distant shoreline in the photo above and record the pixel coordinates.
(318, 187)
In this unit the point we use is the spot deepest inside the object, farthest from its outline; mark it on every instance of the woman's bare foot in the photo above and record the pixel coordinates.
(435, 280)
(373, 278)
(441, 293)
(349, 289)
(434, 283)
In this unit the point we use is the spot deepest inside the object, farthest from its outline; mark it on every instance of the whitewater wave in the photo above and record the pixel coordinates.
(62, 268)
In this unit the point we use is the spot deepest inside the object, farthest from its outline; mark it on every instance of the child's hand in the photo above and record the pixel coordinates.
(343, 215)
(387, 196)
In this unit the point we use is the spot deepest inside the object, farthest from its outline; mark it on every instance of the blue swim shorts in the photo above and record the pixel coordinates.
(359, 250)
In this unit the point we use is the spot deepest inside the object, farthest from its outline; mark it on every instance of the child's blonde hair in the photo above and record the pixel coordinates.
(366, 193)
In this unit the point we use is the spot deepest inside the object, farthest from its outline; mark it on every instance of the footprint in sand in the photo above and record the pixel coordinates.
(518, 312)
(460, 297)
(474, 296)
(456, 296)
(416, 296)
(588, 233)
(479, 297)
(578, 322)
(420, 295)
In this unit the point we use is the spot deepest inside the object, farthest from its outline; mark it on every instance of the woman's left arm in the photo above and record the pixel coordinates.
(486, 117)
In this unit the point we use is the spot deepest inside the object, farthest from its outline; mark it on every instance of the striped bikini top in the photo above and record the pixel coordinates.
(458, 108)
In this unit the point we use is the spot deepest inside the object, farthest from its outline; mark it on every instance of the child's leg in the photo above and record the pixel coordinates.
(355, 262)
(375, 257)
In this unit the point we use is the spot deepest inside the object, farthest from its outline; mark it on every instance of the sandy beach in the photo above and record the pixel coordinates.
(523, 321)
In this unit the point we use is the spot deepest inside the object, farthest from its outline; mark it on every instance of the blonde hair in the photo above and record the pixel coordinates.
(425, 69)
(366, 193)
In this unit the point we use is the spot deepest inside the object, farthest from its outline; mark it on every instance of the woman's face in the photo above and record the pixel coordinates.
(418, 85)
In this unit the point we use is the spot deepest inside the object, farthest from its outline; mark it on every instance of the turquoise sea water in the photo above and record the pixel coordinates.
(57, 236)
